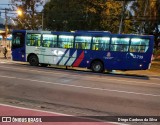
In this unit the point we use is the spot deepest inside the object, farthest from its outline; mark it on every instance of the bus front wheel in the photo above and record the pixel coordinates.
(33, 60)
(97, 66)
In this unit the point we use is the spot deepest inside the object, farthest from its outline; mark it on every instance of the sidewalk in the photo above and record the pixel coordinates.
(25, 116)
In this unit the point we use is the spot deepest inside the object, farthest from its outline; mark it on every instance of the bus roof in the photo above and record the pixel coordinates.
(81, 32)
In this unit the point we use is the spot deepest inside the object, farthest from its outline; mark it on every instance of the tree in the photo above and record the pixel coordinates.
(67, 15)
(31, 18)
(111, 16)
(73, 15)
(147, 17)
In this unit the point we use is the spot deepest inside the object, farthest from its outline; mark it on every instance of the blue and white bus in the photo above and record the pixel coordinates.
(98, 51)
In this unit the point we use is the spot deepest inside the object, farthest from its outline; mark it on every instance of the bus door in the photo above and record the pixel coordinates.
(18, 46)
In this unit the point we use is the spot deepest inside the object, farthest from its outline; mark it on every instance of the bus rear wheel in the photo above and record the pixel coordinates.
(33, 60)
(97, 66)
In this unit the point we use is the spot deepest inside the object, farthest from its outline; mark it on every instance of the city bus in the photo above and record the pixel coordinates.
(95, 50)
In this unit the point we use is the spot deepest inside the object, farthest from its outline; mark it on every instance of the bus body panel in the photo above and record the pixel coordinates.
(112, 60)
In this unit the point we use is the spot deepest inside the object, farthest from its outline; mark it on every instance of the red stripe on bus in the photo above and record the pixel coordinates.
(79, 60)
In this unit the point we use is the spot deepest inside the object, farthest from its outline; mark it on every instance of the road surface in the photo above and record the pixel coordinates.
(79, 93)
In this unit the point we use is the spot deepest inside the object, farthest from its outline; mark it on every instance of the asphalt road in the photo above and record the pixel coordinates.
(76, 92)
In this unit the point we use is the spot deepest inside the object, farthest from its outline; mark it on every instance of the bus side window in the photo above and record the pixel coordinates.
(101, 43)
(65, 41)
(79, 45)
(82, 42)
(120, 44)
(49, 40)
(34, 39)
(139, 45)
(39, 43)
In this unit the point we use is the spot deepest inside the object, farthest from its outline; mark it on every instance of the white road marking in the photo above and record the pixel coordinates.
(91, 77)
(83, 87)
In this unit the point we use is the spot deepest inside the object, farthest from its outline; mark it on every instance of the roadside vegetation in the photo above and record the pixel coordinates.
(155, 67)
(156, 55)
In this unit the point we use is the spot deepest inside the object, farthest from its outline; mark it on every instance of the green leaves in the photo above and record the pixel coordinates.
(67, 15)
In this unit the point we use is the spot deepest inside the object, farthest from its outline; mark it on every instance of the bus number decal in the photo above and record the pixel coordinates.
(137, 57)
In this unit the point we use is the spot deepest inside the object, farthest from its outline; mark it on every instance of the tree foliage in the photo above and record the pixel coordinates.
(140, 16)
(66, 15)
(147, 18)
(30, 18)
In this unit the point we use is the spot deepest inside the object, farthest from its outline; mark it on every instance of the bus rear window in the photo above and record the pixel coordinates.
(139, 45)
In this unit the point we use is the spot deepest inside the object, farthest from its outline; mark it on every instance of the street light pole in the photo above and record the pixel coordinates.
(6, 22)
(122, 17)
(42, 20)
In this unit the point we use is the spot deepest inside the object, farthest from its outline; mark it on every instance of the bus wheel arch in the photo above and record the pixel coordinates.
(33, 59)
(97, 65)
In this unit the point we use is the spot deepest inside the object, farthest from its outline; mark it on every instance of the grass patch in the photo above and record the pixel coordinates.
(155, 67)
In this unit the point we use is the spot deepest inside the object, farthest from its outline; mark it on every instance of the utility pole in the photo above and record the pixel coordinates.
(122, 17)
(6, 24)
(42, 20)
(122, 14)
(144, 14)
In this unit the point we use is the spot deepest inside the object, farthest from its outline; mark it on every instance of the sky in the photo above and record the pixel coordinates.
(4, 1)
(2, 6)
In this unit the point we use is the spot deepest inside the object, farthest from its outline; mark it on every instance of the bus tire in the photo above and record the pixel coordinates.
(97, 66)
(33, 60)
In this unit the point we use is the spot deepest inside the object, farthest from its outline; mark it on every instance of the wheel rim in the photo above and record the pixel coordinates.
(97, 67)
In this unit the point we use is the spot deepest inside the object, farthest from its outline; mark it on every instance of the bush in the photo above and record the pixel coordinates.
(156, 54)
